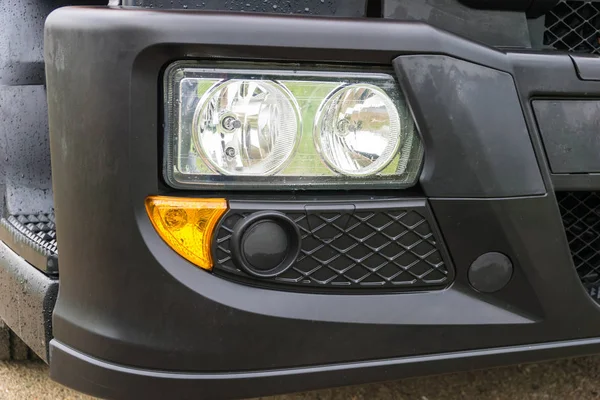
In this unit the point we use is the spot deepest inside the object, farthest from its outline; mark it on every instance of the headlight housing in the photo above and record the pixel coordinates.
(238, 127)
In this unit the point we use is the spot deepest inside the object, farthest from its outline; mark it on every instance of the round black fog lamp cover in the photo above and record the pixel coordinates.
(265, 244)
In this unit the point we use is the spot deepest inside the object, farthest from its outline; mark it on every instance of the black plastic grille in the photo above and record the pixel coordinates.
(574, 26)
(366, 248)
(580, 213)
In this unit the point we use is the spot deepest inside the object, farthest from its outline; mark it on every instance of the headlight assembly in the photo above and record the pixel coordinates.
(239, 128)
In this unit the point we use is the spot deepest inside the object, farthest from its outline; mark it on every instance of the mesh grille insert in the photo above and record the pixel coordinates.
(574, 26)
(580, 213)
(363, 249)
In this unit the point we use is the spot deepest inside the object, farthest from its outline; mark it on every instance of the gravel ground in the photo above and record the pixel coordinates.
(576, 379)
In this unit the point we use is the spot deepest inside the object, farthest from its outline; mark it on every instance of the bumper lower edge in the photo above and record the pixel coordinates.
(107, 380)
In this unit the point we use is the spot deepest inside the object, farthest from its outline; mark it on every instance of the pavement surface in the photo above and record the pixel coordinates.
(575, 379)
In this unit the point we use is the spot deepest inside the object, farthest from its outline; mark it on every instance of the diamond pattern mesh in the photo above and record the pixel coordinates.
(391, 248)
(580, 213)
(574, 26)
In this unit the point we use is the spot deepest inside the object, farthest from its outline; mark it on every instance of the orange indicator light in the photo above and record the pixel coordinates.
(187, 225)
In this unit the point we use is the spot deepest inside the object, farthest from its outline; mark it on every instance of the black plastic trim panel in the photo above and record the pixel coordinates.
(576, 181)
(127, 298)
(353, 246)
(587, 65)
(108, 380)
(569, 130)
(475, 135)
(553, 76)
(534, 8)
(502, 28)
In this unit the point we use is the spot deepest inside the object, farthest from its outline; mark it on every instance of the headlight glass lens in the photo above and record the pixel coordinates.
(246, 127)
(358, 130)
(238, 127)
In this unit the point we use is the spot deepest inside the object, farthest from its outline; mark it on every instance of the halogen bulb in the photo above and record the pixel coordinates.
(247, 127)
(229, 123)
(357, 130)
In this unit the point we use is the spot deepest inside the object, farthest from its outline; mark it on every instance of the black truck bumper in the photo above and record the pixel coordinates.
(133, 319)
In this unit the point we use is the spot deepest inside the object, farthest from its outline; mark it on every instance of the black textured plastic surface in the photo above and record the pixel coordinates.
(33, 237)
(110, 165)
(365, 245)
(490, 272)
(131, 383)
(474, 132)
(574, 26)
(569, 130)
(587, 66)
(490, 26)
(580, 213)
(534, 8)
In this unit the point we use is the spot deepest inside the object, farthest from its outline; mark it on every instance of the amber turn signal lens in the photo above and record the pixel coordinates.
(187, 225)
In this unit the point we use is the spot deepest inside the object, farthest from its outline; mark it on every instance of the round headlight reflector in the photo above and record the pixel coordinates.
(247, 127)
(357, 130)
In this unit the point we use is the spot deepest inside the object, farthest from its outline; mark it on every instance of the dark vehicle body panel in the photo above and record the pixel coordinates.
(134, 318)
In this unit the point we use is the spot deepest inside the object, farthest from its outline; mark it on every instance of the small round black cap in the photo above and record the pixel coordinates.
(490, 272)
(265, 244)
